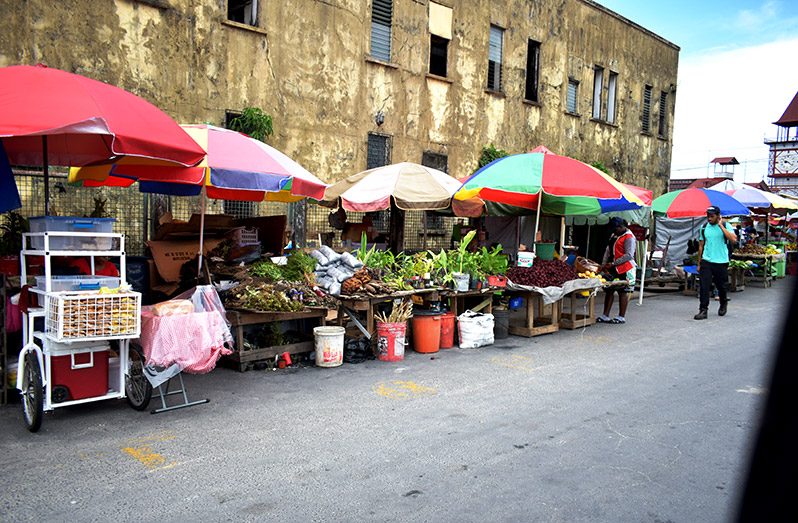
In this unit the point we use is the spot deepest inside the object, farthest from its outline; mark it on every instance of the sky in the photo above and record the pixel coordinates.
(737, 74)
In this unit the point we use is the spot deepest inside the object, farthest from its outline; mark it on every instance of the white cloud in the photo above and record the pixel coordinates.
(726, 102)
(751, 20)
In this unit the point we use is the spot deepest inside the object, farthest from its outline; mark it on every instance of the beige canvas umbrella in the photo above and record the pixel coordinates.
(413, 187)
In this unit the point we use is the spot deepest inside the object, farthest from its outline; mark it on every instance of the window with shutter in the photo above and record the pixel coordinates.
(495, 58)
(378, 151)
(532, 70)
(663, 114)
(243, 11)
(612, 90)
(571, 96)
(598, 83)
(646, 117)
(381, 18)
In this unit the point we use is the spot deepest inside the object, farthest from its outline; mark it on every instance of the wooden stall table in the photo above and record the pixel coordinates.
(765, 263)
(457, 300)
(361, 309)
(572, 303)
(244, 357)
(533, 319)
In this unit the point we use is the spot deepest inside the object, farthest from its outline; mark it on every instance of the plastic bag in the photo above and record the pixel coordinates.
(322, 259)
(475, 329)
(329, 253)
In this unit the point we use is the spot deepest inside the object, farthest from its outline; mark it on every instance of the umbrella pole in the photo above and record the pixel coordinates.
(643, 273)
(424, 225)
(202, 229)
(562, 236)
(46, 169)
(537, 226)
(587, 247)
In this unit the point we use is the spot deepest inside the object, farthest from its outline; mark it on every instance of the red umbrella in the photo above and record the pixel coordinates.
(49, 116)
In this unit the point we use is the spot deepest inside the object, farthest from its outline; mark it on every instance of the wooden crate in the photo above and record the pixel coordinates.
(577, 311)
(535, 317)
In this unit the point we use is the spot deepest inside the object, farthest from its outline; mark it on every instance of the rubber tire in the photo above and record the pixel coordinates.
(138, 403)
(32, 384)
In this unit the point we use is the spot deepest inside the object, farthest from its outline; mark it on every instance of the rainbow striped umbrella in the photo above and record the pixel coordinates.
(693, 203)
(754, 198)
(562, 185)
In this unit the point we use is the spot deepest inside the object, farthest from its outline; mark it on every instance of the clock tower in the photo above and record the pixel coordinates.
(783, 164)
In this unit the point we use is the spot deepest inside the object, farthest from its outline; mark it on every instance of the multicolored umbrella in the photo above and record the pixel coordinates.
(412, 187)
(521, 180)
(754, 198)
(235, 167)
(693, 203)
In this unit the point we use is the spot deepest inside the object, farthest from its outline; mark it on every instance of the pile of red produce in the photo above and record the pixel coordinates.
(544, 273)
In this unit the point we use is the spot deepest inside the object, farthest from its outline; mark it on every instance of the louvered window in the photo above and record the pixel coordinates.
(663, 114)
(243, 11)
(532, 70)
(646, 117)
(381, 17)
(612, 91)
(598, 83)
(495, 58)
(571, 96)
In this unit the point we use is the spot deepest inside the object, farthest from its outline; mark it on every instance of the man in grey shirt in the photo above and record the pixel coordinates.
(619, 262)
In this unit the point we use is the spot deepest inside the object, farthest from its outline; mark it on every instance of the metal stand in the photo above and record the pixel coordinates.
(164, 393)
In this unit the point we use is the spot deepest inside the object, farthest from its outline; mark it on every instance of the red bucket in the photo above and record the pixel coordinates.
(447, 330)
(391, 341)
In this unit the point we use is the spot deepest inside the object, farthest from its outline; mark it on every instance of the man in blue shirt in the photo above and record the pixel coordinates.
(713, 252)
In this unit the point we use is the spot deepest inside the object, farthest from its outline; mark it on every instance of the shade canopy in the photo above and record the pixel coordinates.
(412, 187)
(693, 203)
(236, 167)
(754, 198)
(521, 180)
(85, 121)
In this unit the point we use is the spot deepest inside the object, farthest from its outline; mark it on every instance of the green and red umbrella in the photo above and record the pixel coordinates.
(693, 203)
(560, 184)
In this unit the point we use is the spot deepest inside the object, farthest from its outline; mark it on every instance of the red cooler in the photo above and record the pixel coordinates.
(84, 374)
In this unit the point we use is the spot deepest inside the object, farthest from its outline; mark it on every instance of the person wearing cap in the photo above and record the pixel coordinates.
(713, 255)
(621, 250)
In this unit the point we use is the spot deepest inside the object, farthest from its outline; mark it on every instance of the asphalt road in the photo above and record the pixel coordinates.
(649, 421)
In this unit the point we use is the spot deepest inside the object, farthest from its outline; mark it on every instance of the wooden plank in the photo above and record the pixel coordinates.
(266, 353)
(251, 318)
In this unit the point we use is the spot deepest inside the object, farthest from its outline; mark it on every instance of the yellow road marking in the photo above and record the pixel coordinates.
(515, 361)
(401, 390)
(145, 456)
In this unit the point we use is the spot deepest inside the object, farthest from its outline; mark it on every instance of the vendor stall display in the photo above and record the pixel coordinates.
(83, 353)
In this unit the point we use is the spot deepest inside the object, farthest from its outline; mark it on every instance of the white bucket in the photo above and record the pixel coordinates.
(329, 346)
(525, 259)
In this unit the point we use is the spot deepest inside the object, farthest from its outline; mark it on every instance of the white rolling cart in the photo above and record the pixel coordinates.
(66, 354)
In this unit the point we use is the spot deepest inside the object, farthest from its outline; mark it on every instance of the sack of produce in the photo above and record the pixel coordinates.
(329, 253)
(335, 289)
(475, 329)
(350, 261)
(322, 259)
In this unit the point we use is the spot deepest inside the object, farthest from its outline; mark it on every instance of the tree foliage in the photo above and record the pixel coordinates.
(490, 153)
(254, 123)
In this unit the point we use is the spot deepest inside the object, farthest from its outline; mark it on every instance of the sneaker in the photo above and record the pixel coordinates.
(722, 310)
(603, 319)
(618, 319)
(702, 315)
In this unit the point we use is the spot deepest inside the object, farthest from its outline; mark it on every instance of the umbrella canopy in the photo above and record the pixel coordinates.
(84, 121)
(521, 179)
(693, 203)
(412, 186)
(752, 197)
(236, 167)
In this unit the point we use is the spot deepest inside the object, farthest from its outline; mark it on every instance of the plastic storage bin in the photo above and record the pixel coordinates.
(73, 224)
(77, 283)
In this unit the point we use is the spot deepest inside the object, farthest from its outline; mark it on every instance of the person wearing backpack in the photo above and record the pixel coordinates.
(715, 243)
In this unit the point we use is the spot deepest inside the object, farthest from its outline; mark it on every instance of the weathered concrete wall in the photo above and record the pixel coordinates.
(307, 65)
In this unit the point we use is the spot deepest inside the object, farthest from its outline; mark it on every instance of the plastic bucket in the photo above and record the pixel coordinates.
(426, 333)
(447, 330)
(501, 324)
(391, 341)
(329, 346)
(461, 282)
(544, 251)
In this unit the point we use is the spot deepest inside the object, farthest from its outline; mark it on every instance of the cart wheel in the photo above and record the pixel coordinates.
(137, 387)
(32, 393)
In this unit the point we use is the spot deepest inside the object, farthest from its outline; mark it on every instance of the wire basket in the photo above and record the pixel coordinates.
(87, 316)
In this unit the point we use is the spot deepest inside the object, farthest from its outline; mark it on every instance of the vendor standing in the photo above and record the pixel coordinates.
(713, 253)
(621, 250)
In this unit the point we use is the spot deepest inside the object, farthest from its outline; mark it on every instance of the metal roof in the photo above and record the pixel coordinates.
(725, 160)
(790, 116)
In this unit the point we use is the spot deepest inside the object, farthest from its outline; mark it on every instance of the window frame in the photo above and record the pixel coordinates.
(645, 112)
(494, 81)
(598, 90)
(386, 152)
(572, 81)
(254, 13)
(612, 97)
(662, 125)
(432, 39)
(379, 25)
(533, 62)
